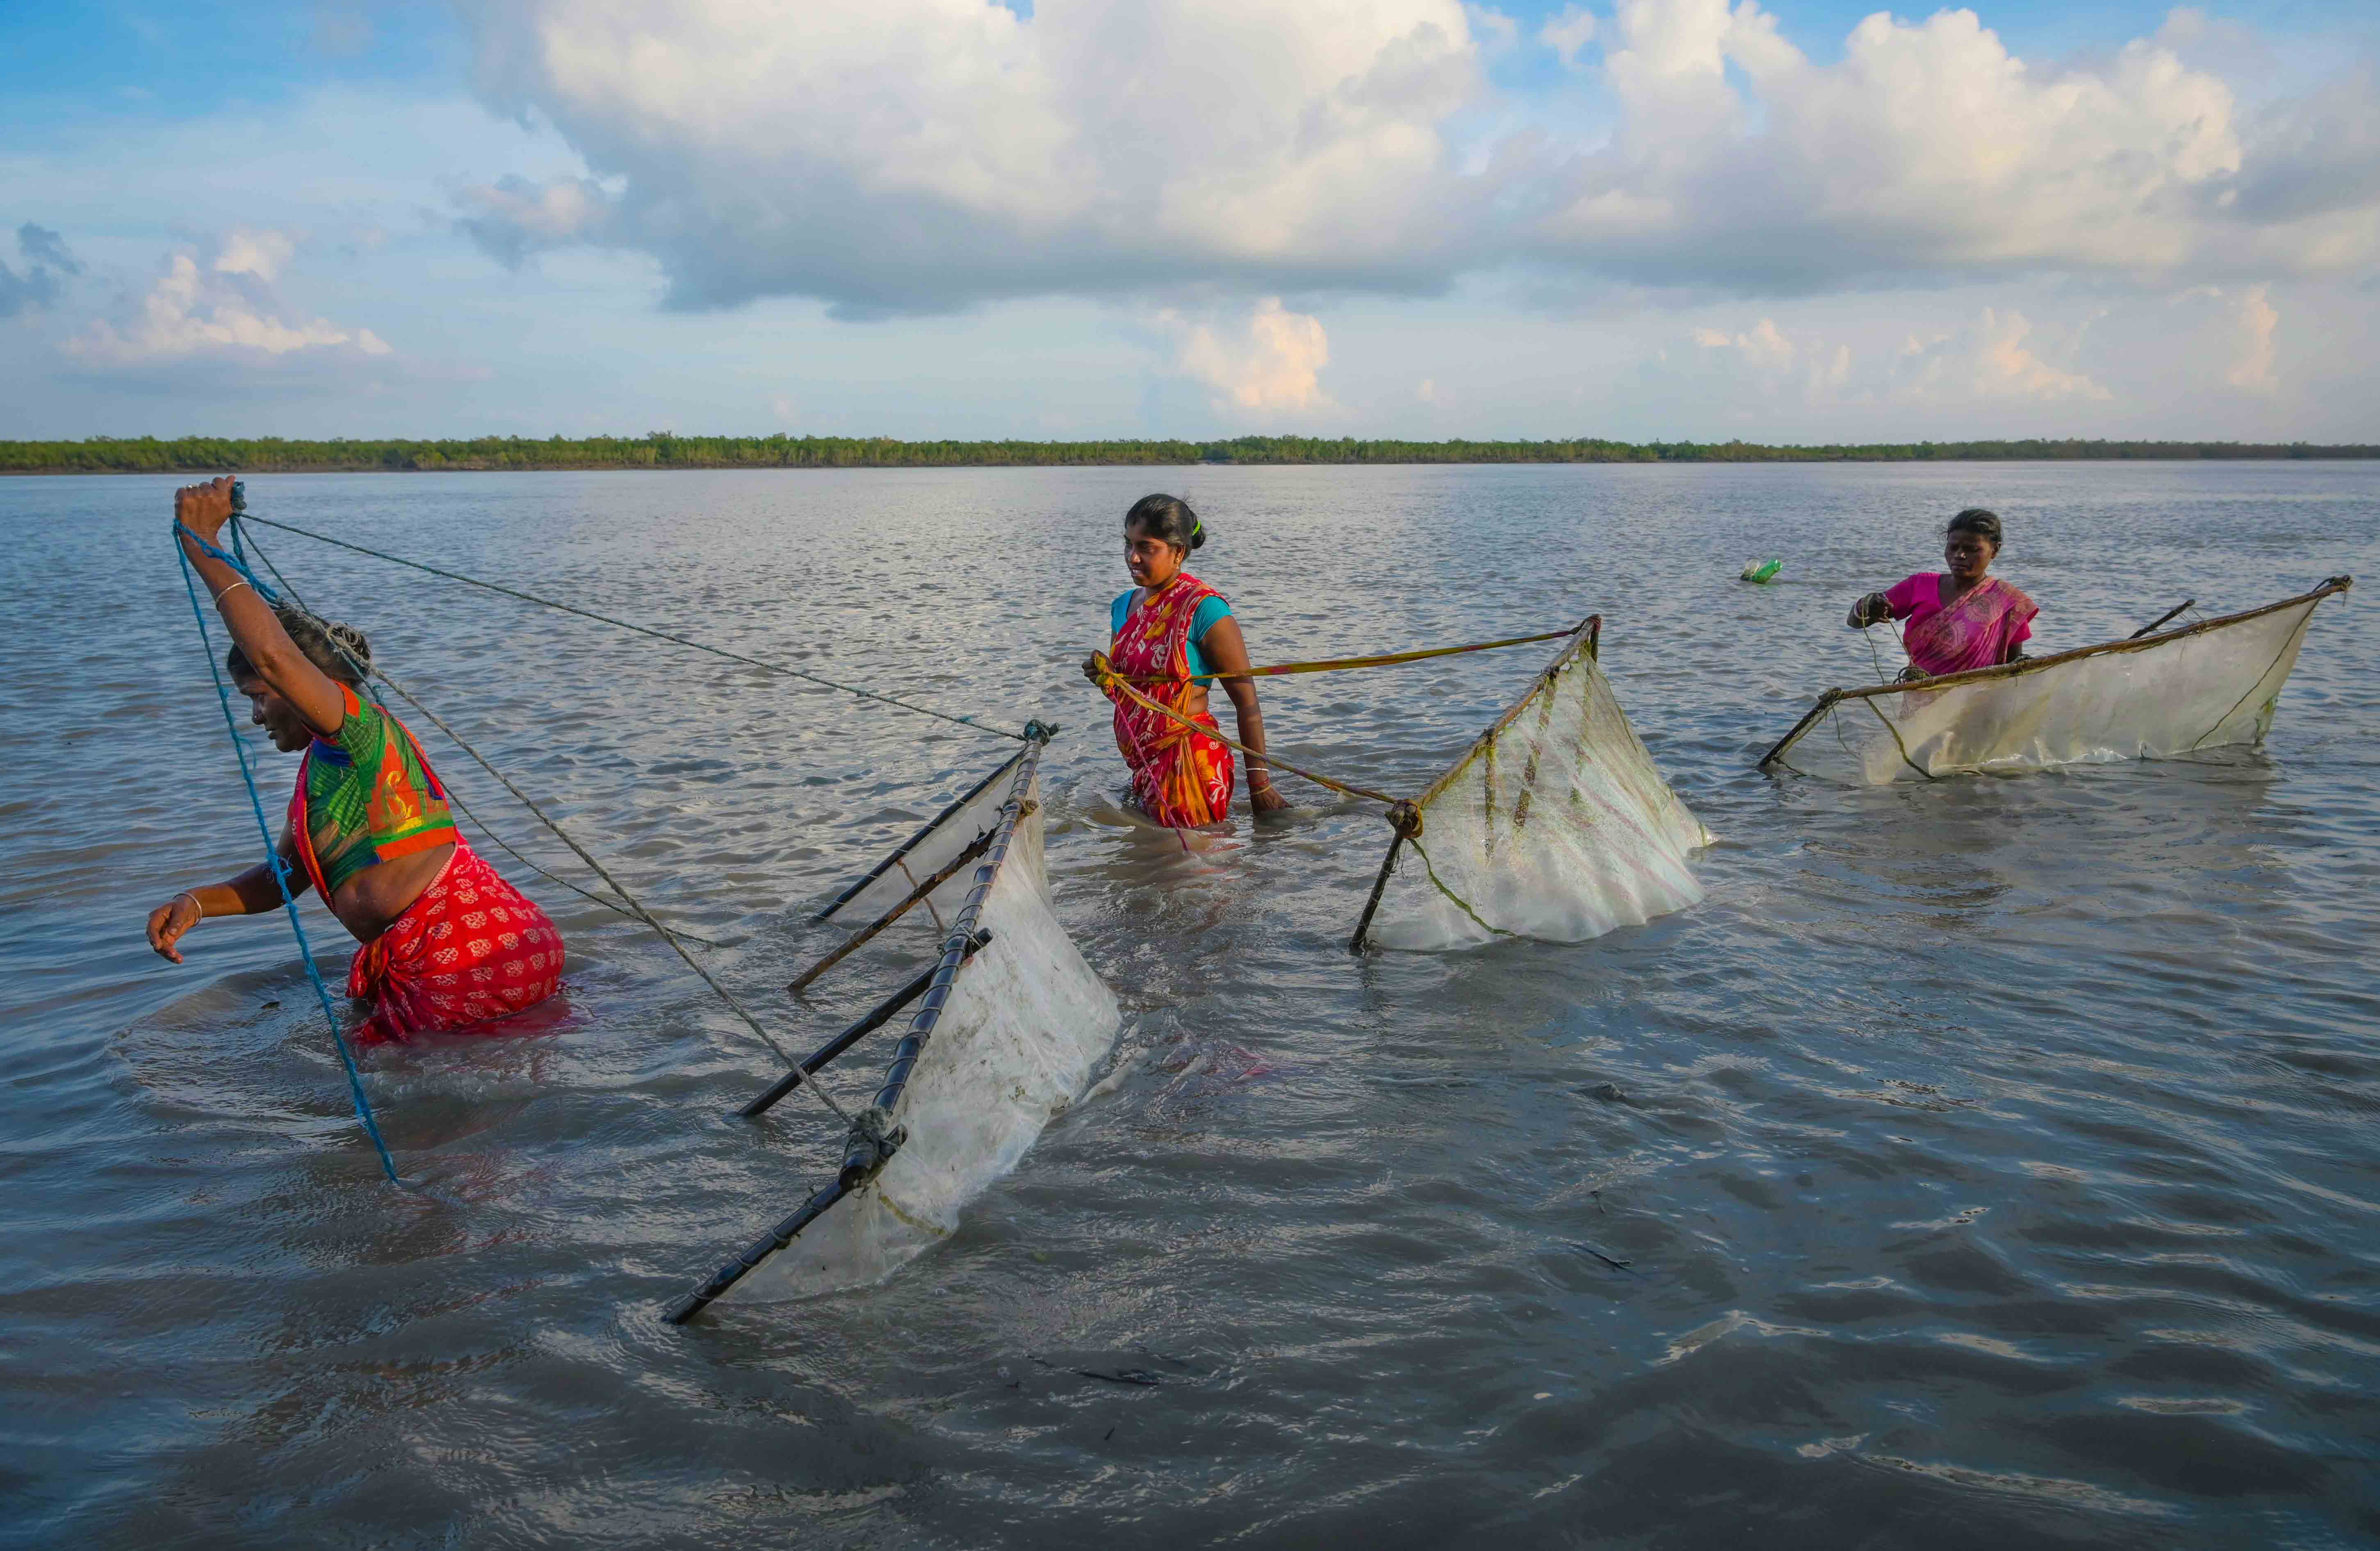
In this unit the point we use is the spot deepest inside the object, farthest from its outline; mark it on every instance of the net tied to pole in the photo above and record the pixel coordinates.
(1574, 833)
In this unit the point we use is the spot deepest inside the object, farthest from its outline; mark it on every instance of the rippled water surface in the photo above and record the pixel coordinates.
(1988, 1163)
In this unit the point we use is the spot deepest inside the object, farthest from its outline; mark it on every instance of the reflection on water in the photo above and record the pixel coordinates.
(1985, 1162)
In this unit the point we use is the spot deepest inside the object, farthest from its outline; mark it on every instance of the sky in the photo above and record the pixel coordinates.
(1671, 219)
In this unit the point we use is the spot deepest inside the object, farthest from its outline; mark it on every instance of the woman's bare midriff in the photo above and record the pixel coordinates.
(367, 904)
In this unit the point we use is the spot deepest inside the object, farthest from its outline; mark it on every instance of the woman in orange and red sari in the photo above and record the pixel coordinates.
(448, 946)
(1170, 635)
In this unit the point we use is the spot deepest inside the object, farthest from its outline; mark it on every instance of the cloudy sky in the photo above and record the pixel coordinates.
(1662, 218)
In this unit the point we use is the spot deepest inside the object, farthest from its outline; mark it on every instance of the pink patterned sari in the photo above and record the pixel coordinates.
(1981, 628)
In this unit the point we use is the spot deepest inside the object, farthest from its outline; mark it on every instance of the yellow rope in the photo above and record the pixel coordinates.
(1335, 664)
(1102, 673)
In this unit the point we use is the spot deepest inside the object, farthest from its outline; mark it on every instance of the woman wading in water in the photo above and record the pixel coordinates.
(1959, 618)
(1169, 635)
(448, 946)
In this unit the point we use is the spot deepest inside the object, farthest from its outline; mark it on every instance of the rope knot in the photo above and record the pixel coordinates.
(1405, 820)
(874, 1139)
(1101, 673)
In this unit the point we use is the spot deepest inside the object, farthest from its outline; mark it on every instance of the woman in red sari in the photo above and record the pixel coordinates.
(448, 946)
(1170, 635)
(1959, 618)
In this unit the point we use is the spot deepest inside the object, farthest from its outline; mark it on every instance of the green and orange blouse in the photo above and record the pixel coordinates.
(365, 796)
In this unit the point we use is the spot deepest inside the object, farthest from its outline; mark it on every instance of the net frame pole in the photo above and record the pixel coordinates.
(761, 1249)
(873, 1138)
(860, 938)
(879, 869)
(882, 1014)
(1586, 636)
(1826, 703)
(2162, 620)
(1380, 886)
(873, 1141)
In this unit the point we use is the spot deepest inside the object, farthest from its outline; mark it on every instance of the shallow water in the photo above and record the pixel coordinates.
(1988, 1160)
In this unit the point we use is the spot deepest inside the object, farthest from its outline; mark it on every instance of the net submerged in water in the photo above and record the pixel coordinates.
(1555, 825)
(1008, 1028)
(2210, 686)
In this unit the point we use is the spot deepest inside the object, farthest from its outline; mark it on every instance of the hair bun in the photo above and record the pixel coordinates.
(1168, 518)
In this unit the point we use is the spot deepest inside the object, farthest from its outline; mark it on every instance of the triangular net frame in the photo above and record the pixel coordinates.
(1555, 825)
(2212, 685)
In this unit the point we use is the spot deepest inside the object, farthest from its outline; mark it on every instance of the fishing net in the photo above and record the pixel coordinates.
(2209, 686)
(1026, 1023)
(1556, 825)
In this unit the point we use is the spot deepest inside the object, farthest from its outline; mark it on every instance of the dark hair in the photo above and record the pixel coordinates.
(335, 648)
(1166, 518)
(1981, 524)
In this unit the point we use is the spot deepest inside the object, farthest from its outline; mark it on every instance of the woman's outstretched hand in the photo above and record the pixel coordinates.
(169, 921)
(1265, 798)
(203, 509)
(1875, 609)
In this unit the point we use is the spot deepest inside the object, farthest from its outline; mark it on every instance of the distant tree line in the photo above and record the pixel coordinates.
(265, 454)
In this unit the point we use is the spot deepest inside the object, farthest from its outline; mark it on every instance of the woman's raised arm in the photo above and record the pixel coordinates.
(316, 698)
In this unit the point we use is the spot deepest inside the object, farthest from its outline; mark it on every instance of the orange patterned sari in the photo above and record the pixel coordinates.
(1179, 778)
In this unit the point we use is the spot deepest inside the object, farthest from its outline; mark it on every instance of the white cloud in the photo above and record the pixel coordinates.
(1567, 33)
(1272, 360)
(1987, 360)
(261, 254)
(224, 308)
(1996, 359)
(1768, 351)
(516, 214)
(2257, 319)
(1492, 29)
(919, 154)
(922, 156)
(1928, 147)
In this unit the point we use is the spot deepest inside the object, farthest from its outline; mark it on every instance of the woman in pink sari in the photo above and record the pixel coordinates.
(1959, 618)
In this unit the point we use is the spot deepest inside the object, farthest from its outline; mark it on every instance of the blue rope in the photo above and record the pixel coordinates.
(272, 851)
(237, 561)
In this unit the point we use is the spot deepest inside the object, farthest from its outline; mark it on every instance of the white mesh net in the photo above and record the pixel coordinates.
(2205, 686)
(1026, 1022)
(1555, 825)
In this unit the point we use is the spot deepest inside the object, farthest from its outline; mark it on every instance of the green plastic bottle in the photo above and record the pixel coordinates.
(1763, 570)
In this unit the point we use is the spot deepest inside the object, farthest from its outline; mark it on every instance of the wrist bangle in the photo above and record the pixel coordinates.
(229, 591)
(187, 894)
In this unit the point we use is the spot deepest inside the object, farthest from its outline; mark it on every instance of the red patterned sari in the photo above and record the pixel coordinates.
(469, 950)
(1179, 778)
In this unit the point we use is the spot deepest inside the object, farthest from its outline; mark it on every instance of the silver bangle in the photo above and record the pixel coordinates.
(229, 591)
(187, 894)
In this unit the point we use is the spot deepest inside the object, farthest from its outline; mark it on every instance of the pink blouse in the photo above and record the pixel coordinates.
(1982, 628)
